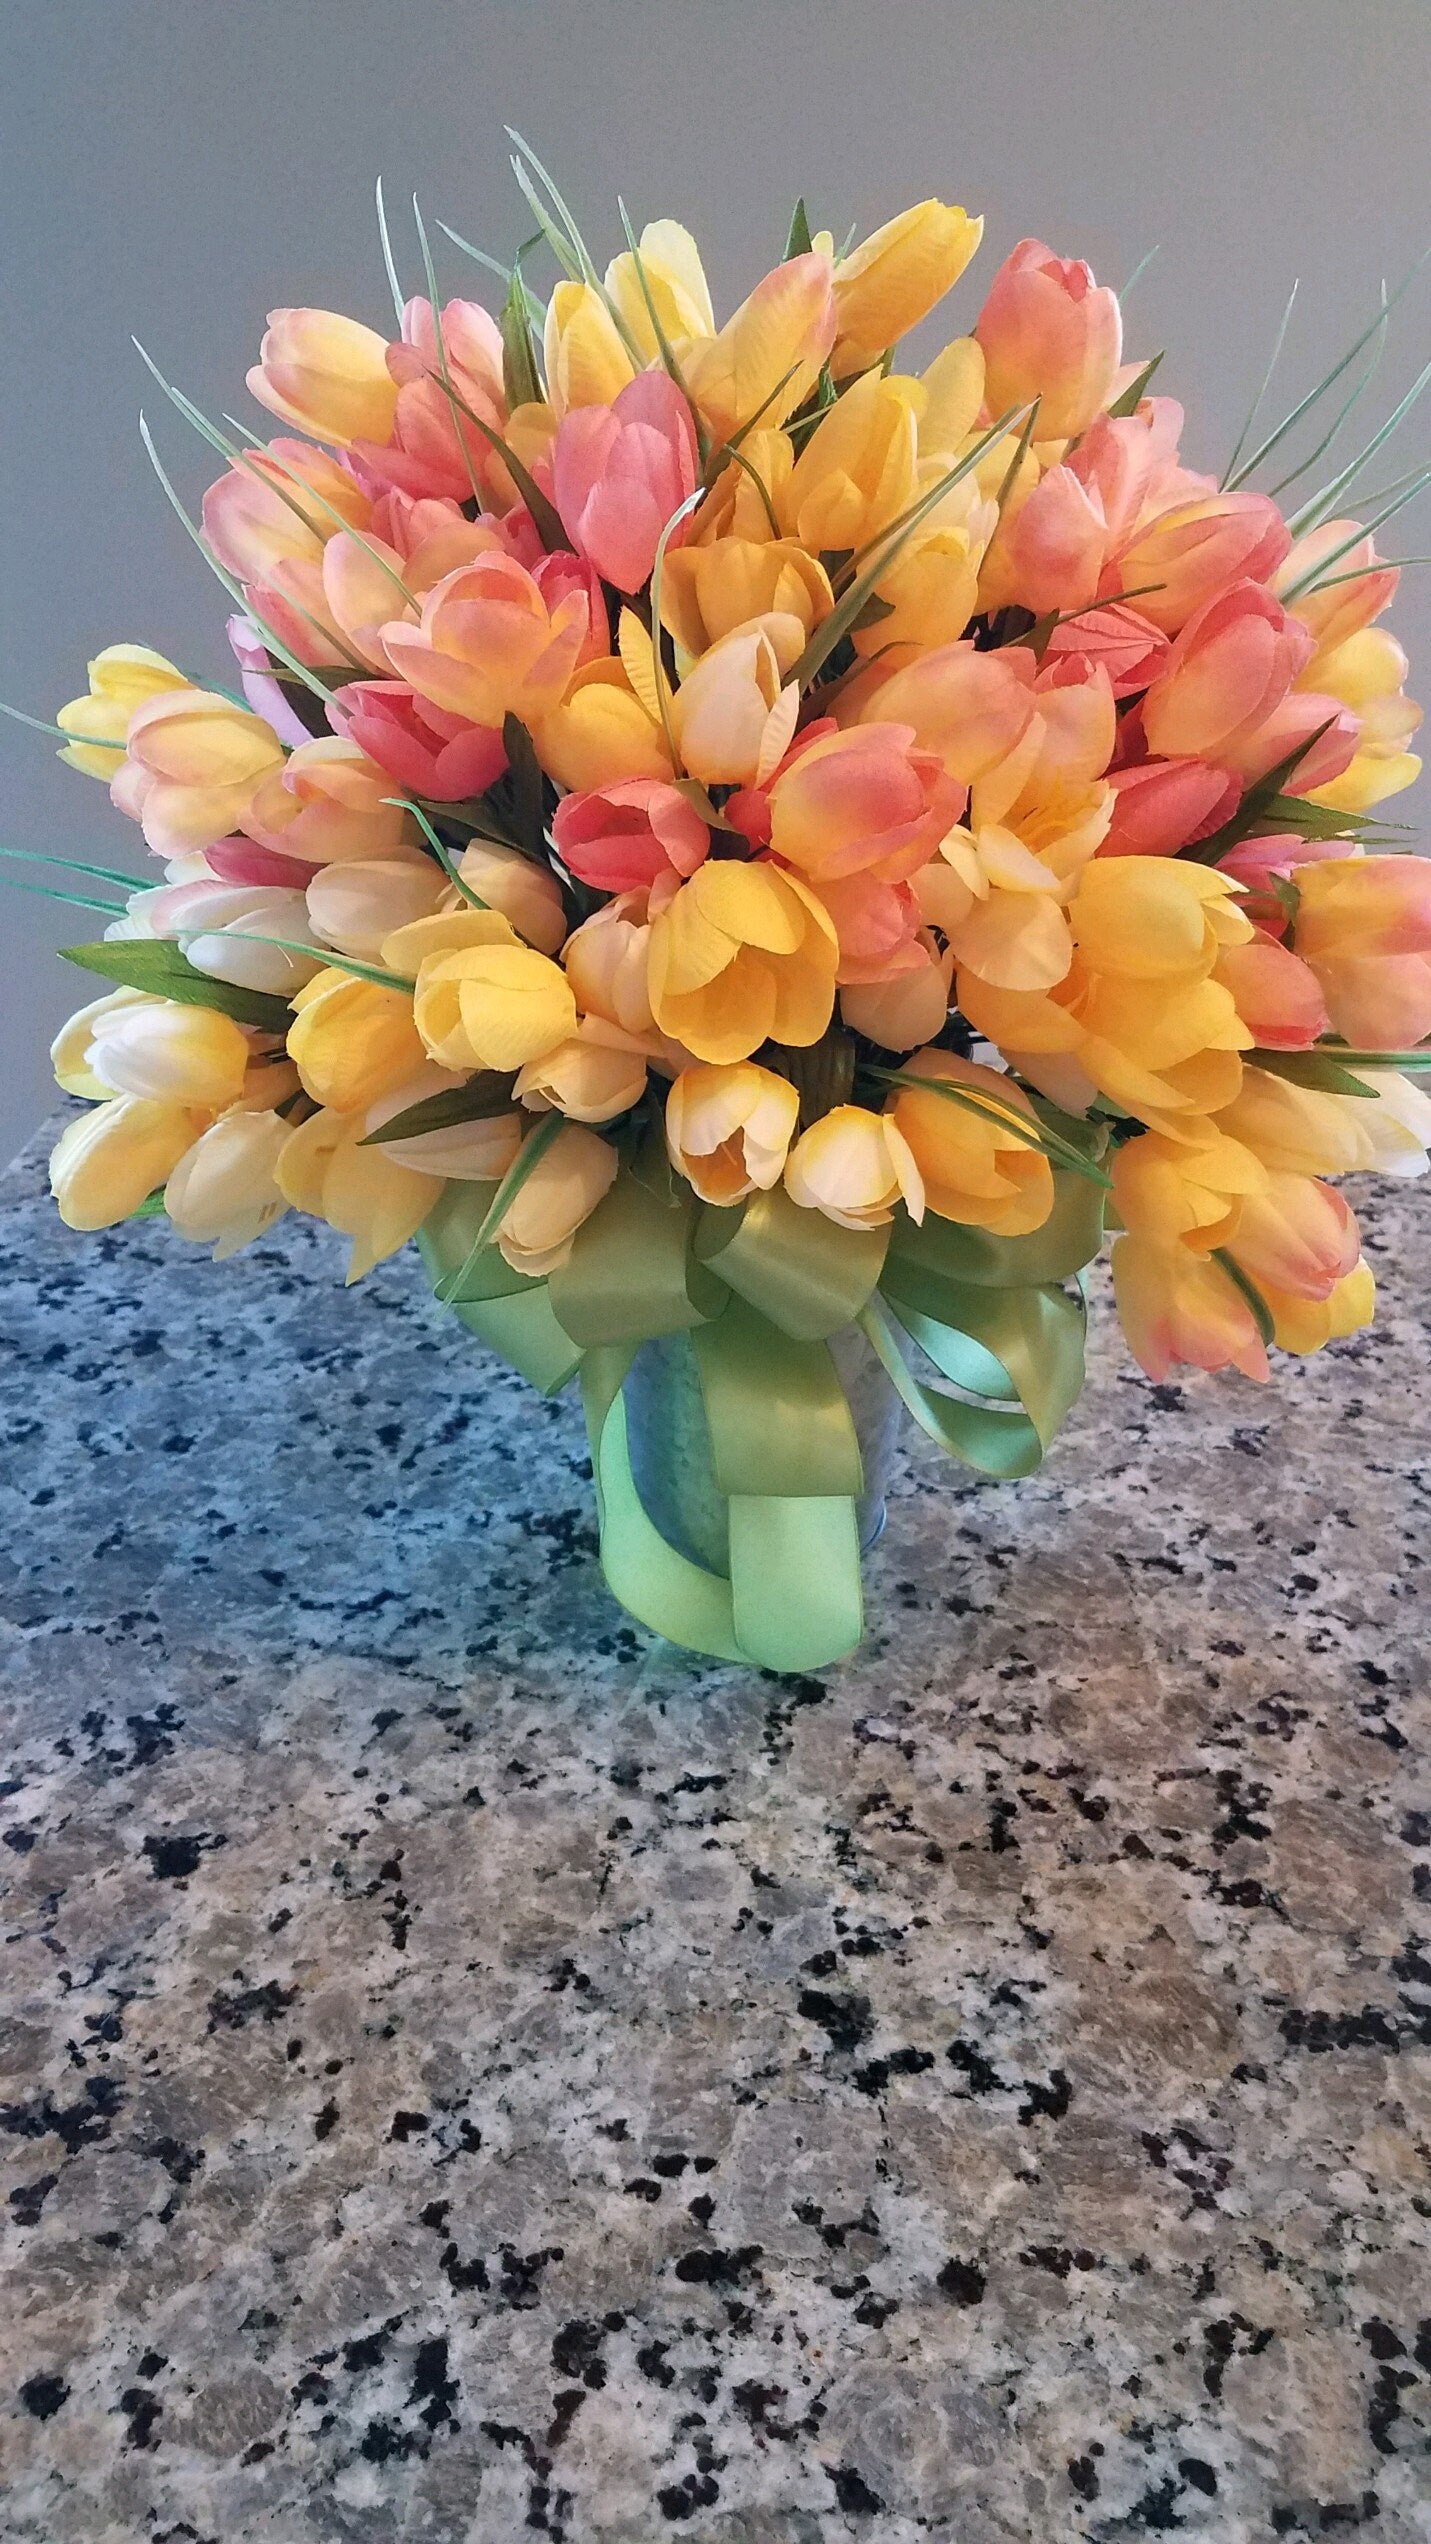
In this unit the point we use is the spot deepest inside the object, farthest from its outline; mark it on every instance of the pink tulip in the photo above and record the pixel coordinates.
(621, 838)
(425, 750)
(1342, 607)
(1130, 650)
(433, 448)
(1051, 556)
(1131, 464)
(620, 471)
(1277, 995)
(1321, 729)
(240, 860)
(1193, 550)
(1164, 805)
(1049, 332)
(1297, 1235)
(1230, 668)
(878, 925)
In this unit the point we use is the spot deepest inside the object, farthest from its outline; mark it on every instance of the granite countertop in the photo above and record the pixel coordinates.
(470, 2071)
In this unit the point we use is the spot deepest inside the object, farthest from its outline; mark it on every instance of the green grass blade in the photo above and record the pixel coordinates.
(76, 865)
(1310, 581)
(389, 265)
(272, 640)
(442, 362)
(1138, 272)
(533, 1149)
(1255, 409)
(1305, 405)
(1325, 502)
(1329, 438)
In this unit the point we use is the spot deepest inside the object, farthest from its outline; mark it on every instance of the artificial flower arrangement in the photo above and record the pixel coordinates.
(720, 836)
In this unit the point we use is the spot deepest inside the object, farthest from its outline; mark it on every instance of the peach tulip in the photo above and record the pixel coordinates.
(489, 644)
(969, 708)
(1358, 586)
(1229, 670)
(326, 374)
(1175, 1305)
(524, 892)
(728, 1129)
(596, 1074)
(905, 1007)
(355, 906)
(223, 1191)
(121, 679)
(856, 1167)
(1364, 926)
(1050, 553)
(1276, 994)
(540, 1222)
(1114, 638)
(431, 446)
(324, 1168)
(1298, 1234)
(327, 804)
(193, 764)
(620, 838)
(865, 800)
(764, 361)
(740, 955)
(620, 472)
(1195, 549)
(895, 277)
(1048, 331)
(606, 961)
(976, 1169)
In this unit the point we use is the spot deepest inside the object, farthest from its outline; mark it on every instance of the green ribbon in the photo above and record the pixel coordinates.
(760, 1290)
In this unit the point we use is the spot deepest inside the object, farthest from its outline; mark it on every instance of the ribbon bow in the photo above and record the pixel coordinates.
(759, 1290)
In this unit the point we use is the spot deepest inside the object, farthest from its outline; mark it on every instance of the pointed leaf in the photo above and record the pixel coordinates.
(154, 964)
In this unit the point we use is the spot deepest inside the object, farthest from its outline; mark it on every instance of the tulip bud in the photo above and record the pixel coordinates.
(707, 591)
(329, 802)
(121, 678)
(114, 1157)
(357, 905)
(489, 644)
(1307, 1325)
(491, 1006)
(619, 472)
(1364, 926)
(732, 718)
(326, 374)
(895, 277)
(222, 1193)
(70, 1050)
(909, 1008)
(856, 1167)
(1175, 1305)
(606, 962)
(600, 732)
(858, 470)
(524, 892)
(728, 1130)
(561, 1192)
(765, 359)
(620, 838)
(1049, 332)
(672, 274)
(742, 954)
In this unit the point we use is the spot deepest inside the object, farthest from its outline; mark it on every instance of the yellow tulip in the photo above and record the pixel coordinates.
(222, 1193)
(736, 505)
(708, 591)
(193, 764)
(586, 362)
(113, 1158)
(1365, 671)
(858, 470)
(120, 679)
(976, 1169)
(326, 374)
(351, 1040)
(176, 1054)
(492, 1006)
(728, 1130)
(733, 720)
(1297, 1130)
(600, 732)
(361, 1192)
(474, 1152)
(895, 277)
(70, 1050)
(596, 1074)
(742, 954)
(930, 593)
(953, 389)
(1185, 1191)
(674, 278)
(856, 1167)
(764, 362)
(568, 1180)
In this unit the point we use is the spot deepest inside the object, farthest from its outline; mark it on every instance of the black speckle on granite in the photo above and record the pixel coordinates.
(469, 2071)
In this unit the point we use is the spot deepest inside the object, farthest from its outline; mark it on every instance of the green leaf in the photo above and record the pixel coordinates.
(526, 785)
(1256, 811)
(1038, 1134)
(519, 364)
(798, 241)
(154, 964)
(1249, 1290)
(545, 514)
(151, 1207)
(487, 1094)
(1315, 1069)
(1136, 390)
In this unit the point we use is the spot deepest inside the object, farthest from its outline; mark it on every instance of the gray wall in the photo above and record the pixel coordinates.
(174, 167)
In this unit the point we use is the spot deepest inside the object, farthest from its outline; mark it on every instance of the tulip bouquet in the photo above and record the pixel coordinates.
(720, 836)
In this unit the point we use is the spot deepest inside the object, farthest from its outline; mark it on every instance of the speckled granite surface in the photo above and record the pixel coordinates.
(470, 2072)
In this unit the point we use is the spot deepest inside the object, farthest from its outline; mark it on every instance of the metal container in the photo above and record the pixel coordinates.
(670, 1444)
